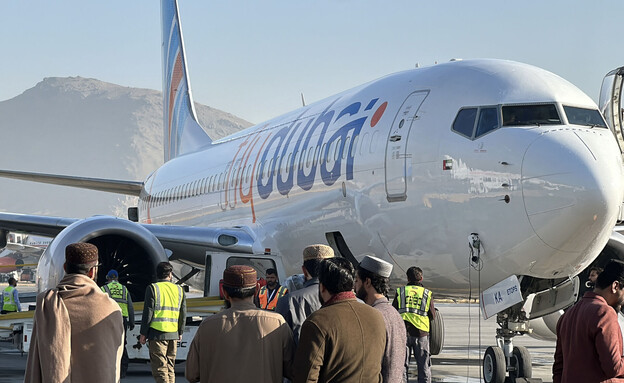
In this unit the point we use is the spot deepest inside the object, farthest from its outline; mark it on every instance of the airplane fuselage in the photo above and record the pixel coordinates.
(385, 165)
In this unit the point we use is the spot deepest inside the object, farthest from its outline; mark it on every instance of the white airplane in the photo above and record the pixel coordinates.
(475, 170)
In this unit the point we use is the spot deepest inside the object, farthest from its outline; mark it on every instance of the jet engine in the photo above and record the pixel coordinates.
(545, 327)
(123, 245)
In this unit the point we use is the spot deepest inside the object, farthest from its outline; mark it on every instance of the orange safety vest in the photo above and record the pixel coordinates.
(269, 303)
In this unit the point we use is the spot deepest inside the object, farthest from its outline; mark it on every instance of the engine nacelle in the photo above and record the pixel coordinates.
(544, 328)
(123, 245)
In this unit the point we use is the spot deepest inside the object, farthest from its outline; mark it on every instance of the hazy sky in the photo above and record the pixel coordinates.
(254, 58)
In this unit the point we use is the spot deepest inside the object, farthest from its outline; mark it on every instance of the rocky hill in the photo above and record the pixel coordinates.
(85, 127)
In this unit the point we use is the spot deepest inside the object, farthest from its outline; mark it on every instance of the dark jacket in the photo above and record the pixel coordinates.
(343, 341)
(296, 306)
(589, 343)
(148, 314)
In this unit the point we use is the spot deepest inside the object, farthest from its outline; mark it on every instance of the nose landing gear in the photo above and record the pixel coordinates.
(505, 358)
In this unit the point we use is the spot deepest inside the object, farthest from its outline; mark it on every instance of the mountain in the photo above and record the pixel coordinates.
(86, 127)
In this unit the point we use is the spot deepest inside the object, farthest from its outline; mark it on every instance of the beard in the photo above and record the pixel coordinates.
(361, 293)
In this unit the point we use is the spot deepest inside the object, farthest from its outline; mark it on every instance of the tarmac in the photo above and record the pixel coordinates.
(466, 338)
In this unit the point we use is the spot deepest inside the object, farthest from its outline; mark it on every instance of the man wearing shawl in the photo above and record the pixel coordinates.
(78, 330)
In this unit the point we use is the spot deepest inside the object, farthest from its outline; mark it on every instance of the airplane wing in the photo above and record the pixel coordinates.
(99, 184)
(34, 224)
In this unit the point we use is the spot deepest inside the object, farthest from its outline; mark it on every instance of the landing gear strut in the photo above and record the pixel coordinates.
(505, 358)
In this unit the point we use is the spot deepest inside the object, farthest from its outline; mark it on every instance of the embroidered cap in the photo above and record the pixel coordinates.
(240, 276)
(317, 252)
(376, 266)
(81, 253)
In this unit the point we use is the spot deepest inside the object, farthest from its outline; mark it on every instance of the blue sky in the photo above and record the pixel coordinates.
(254, 58)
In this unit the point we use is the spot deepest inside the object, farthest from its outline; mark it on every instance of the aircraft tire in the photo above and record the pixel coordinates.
(494, 367)
(436, 335)
(521, 363)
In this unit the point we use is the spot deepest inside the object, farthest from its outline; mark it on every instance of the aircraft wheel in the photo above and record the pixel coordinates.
(436, 335)
(521, 363)
(494, 367)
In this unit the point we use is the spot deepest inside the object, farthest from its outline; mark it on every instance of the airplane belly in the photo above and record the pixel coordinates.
(572, 190)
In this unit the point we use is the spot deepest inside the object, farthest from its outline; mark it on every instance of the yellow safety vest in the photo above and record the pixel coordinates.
(413, 302)
(167, 302)
(119, 293)
(8, 302)
(263, 297)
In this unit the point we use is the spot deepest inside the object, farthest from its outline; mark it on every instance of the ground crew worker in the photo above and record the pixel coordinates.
(10, 298)
(269, 295)
(415, 304)
(164, 316)
(119, 293)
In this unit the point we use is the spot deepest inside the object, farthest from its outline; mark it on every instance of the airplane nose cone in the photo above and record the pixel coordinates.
(572, 187)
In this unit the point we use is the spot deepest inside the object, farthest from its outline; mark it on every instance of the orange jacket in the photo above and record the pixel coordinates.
(269, 303)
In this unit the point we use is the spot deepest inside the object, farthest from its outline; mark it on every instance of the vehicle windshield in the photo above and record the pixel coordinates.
(582, 116)
(540, 114)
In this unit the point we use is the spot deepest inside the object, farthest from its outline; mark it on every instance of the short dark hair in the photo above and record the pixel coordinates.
(271, 271)
(613, 271)
(80, 268)
(12, 281)
(379, 283)
(597, 269)
(414, 274)
(312, 266)
(163, 269)
(337, 275)
(239, 292)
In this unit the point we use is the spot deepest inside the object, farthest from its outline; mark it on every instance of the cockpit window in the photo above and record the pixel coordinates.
(582, 116)
(488, 120)
(464, 122)
(540, 114)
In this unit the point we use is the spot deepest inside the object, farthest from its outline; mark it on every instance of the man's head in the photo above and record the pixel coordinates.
(336, 275)
(112, 275)
(593, 274)
(12, 282)
(371, 279)
(610, 283)
(239, 282)
(313, 255)
(414, 274)
(81, 258)
(164, 270)
(271, 278)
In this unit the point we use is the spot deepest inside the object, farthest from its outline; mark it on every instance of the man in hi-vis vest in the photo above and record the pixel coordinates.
(10, 298)
(119, 293)
(415, 304)
(269, 295)
(164, 316)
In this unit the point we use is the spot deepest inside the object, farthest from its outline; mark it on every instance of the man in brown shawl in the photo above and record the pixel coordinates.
(78, 330)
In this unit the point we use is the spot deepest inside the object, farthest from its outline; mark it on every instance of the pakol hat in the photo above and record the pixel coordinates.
(376, 266)
(112, 274)
(240, 276)
(317, 252)
(81, 253)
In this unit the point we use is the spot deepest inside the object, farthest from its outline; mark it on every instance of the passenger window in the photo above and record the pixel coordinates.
(464, 122)
(488, 121)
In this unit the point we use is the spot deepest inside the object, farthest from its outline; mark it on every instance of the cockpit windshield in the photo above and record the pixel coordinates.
(582, 116)
(536, 114)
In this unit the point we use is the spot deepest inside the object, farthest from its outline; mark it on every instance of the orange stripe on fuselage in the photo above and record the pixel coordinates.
(176, 78)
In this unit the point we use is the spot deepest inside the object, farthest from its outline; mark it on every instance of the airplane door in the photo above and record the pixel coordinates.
(611, 103)
(396, 147)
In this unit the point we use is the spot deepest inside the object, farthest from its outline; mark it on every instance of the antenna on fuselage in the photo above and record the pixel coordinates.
(302, 99)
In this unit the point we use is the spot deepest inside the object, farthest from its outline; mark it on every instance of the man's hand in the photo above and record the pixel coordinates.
(142, 339)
